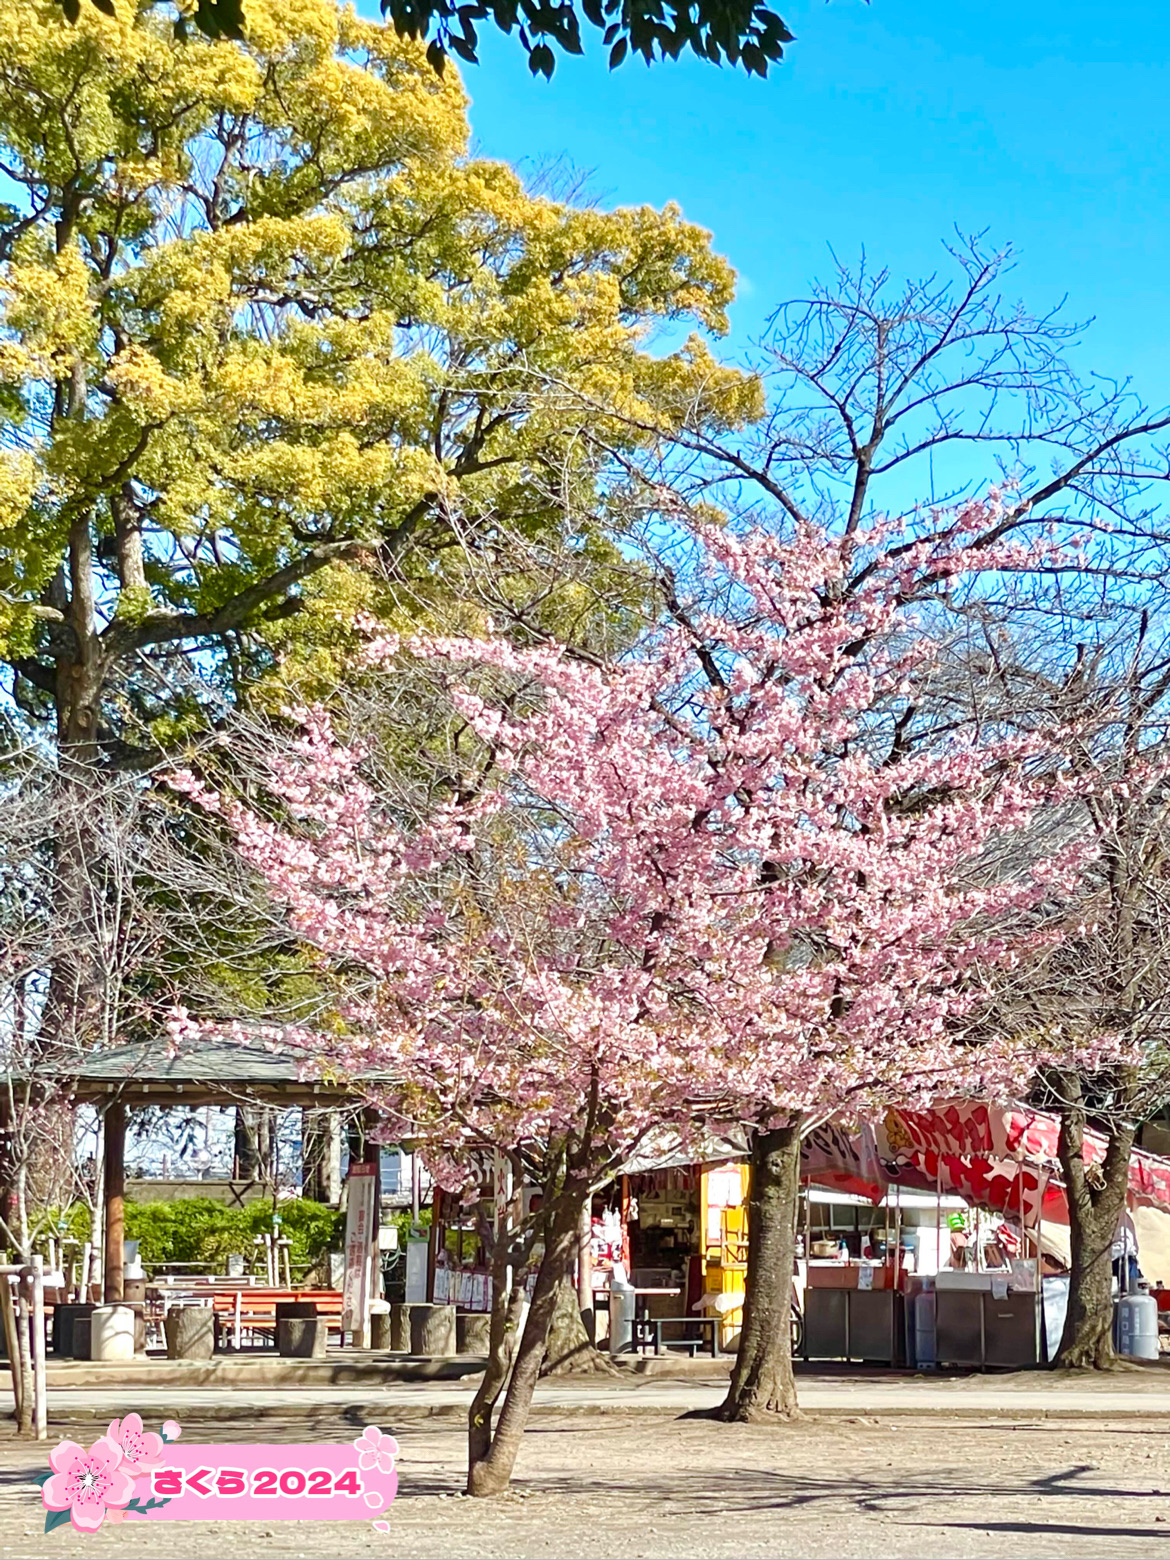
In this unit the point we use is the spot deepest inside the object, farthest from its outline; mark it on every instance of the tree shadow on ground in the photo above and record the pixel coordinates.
(1078, 1529)
(705, 1491)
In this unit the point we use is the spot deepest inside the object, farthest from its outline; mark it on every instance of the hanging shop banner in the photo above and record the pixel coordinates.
(994, 1140)
(133, 1474)
(360, 1232)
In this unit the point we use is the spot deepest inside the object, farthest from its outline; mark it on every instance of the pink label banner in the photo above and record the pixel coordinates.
(294, 1483)
(135, 1474)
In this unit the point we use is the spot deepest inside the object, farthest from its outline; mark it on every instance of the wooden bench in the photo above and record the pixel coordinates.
(250, 1308)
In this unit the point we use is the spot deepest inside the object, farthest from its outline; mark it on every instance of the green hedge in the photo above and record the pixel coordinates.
(198, 1230)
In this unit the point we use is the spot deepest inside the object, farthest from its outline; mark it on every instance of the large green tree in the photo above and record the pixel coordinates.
(270, 339)
(261, 313)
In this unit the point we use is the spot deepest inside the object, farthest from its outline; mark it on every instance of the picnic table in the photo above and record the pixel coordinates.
(241, 1308)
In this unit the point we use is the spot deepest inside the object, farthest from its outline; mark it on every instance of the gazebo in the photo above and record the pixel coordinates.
(210, 1072)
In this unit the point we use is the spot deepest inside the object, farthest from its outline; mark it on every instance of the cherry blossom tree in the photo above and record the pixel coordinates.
(742, 875)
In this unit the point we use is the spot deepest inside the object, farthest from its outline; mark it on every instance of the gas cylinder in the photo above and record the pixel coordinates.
(1137, 1325)
(622, 1300)
(925, 1346)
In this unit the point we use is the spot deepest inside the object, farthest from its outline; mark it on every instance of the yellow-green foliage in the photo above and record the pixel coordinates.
(260, 293)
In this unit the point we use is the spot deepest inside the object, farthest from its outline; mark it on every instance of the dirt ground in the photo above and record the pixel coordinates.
(652, 1485)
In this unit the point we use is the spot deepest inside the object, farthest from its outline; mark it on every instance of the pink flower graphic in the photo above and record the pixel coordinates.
(142, 1450)
(376, 1450)
(171, 1430)
(85, 1483)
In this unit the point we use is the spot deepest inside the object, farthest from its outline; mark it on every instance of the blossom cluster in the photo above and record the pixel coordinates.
(713, 880)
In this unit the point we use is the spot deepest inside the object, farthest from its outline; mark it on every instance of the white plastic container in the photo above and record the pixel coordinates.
(963, 1279)
(1137, 1326)
(112, 1333)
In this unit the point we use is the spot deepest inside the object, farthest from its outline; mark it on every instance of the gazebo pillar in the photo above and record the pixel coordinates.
(115, 1201)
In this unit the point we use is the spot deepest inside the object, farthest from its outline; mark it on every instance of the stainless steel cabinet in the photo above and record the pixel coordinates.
(974, 1328)
(853, 1324)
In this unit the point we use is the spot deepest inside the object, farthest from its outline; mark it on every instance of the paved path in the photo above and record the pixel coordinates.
(1143, 1394)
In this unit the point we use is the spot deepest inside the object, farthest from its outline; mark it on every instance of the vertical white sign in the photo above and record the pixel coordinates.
(360, 1233)
(502, 1204)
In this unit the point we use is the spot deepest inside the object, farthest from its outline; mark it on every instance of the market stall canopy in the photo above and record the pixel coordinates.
(667, 1149)
(1004, 1158)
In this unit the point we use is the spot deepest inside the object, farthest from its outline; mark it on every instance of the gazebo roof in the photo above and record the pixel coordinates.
(207, 1072)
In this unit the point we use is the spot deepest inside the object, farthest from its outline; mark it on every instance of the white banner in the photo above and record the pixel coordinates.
(360, 1233)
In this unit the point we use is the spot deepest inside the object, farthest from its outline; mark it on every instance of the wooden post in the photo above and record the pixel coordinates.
(8, 1313)
(332, 1158)
(40, 1386)
(433, 1246)
(115, 1200)
(24, 1347)
(93, 1277)
(627, 1262)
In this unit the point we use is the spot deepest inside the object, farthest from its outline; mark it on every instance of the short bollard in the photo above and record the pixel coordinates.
(301, 1337)
(473, 1332)
(190, 1332)
(432, 1330)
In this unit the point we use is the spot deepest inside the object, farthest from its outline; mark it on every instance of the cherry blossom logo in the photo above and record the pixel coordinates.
(142, 1450)
(88, 1488)
(376, 1449)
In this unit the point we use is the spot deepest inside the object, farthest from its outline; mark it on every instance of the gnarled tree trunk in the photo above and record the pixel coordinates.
(1096, 1202)
(492, 1455)
(570, 1350)
(763, 1387)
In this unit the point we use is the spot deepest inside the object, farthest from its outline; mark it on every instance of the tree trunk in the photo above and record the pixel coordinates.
(24, 1357)
(507, 1310)
(507, 1315)
(1096, 1202)
(570, 1350)
(763, 1388)
(253, 1144)
(490, 1470)
(316, 1146)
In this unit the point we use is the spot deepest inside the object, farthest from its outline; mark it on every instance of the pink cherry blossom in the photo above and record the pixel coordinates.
(87, 1484)
(142, 1450)
(171, 1430)
(376, 1450)
(733, 894)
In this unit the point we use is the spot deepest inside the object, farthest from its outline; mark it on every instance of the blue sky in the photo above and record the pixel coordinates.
(889, 124)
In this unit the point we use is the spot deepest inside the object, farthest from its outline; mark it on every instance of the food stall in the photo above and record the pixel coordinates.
(857, 1260)
(678, 1233)
(989, 1288)
(932, 1236)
